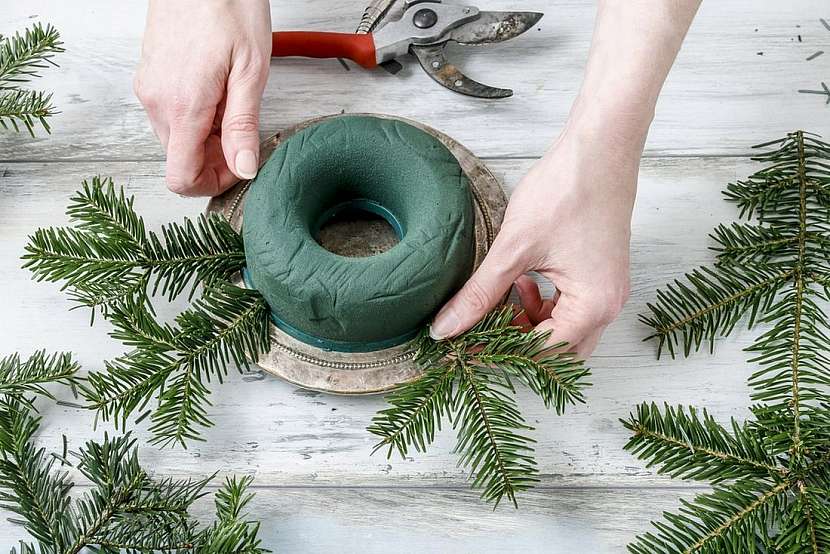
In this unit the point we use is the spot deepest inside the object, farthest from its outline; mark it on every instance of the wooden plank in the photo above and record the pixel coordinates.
(290, 436)
(370, 521)
(734, 84)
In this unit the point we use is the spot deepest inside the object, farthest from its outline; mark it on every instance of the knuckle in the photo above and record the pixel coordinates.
(513, 246)
(257, 69)
(241, 123)
(610, 304)
(252, 66)
(144, 94)
(601, 314)
(475, 296)
(178, 185)
(181, 182)
(181, 107)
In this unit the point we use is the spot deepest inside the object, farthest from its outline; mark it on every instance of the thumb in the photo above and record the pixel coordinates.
(240, 124)
(480, 294)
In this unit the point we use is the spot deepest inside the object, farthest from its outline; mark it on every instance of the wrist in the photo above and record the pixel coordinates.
(626, 119)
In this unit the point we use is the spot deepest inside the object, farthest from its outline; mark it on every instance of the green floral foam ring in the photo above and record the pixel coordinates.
(384, 166)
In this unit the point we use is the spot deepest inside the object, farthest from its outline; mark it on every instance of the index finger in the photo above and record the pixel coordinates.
(195, 163)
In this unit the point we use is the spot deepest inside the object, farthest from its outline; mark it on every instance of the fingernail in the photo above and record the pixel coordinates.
(445, 323)
(246, 164)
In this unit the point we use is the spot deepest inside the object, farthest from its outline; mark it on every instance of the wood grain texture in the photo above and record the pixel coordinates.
(403, 520)
(734, 83)
(318, 488)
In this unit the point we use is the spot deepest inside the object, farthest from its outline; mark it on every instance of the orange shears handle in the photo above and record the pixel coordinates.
(310, 44)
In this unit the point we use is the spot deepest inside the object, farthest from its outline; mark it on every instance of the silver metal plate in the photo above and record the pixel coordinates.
(369, 372)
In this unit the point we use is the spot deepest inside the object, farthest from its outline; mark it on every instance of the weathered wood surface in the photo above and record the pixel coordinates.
(290, 437)
(380, 521)
(735, 80)
(318, 488)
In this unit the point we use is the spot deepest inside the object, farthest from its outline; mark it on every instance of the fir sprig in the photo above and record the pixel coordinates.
(693, 447)
(124, 510)
(26, 108)
(772, 473)
(763, 500)
(108, 253)
(109, 261)
(177, 362)
(19, 378)
(469, 380)
(21, 59)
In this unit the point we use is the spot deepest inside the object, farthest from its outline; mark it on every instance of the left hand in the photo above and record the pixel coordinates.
(204, 66)
(569, 220)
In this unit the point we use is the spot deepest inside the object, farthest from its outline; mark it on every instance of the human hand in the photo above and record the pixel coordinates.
(203, 69)
(569, 220)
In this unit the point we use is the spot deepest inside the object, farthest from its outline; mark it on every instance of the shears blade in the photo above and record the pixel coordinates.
(435, 64)
(492, 27)
(488, 27)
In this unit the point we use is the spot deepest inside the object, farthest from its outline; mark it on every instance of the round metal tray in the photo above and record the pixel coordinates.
(368, 372)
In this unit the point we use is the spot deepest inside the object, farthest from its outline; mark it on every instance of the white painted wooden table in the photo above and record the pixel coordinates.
(318, 489)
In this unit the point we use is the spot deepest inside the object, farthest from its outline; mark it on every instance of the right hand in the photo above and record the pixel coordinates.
(203, 69)
(569, 220)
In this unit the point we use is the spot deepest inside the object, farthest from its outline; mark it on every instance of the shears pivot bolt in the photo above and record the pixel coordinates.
(425, 18)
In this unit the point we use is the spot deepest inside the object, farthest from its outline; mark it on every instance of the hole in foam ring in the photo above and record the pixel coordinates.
(358, 228)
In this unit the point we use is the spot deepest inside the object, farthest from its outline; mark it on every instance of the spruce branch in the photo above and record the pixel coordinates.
(108, 252)
(687, 446)
(30, 486)
(772, 473)
(469, 381)
(416, 412)
(796, 167)
(808, 524)
(231, 532)
(710, 302)
(125, 509)
(729, 519)
(23, 56)
(102, 210)
(109, 261)
(744, 242)
(21, 59)
(20, 378)
(25, 108)
(490, 439)
(761, 500)
(794, 368)
(227, 325)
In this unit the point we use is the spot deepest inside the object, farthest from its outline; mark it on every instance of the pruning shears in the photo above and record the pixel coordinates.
(423, 28)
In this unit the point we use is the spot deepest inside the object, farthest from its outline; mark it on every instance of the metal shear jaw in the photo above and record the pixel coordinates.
(425, 27)
(420, 25)
(434, 62)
